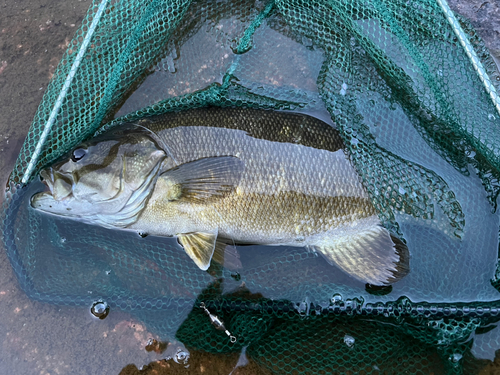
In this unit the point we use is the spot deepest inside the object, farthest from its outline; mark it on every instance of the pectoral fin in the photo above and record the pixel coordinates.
(202, 179)
(199, 246)
(372, 256)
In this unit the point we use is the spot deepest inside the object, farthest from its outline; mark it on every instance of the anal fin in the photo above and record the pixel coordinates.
(199, 246)
(372, 256)
(227, 256)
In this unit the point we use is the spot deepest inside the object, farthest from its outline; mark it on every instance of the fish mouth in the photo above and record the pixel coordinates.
(42, 200)
(55, 198)
(57, 195)
(60, 186)
(47, 178)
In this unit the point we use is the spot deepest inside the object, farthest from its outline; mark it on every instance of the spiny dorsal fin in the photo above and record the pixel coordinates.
(205, 178)
(372, 256)
(199, 246)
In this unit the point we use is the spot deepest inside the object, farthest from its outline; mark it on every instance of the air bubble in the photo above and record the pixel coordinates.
(100, 309)
(181, 357)
(303, 308)
(336, 298)
(349, 341)
(343, 91)
(170, 64)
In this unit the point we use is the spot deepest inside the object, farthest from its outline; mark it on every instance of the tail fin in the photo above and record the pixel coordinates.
(373, 256)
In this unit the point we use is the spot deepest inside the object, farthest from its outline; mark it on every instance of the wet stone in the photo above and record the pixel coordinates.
(156, 346)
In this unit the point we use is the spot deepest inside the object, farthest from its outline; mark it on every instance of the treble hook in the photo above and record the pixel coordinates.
(218, 323)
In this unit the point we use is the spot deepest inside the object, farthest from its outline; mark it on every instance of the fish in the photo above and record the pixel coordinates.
(215, 176)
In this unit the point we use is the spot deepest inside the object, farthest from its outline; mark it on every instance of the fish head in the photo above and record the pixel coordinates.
(104, 181)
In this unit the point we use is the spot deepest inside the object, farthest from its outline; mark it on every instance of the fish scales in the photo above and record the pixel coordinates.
(232, 175)
(283, 186)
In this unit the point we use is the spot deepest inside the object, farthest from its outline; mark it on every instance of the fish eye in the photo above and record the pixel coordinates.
(78, 154)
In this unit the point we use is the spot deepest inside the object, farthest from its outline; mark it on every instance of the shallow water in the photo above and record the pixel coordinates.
(39, 338)
(44, 338)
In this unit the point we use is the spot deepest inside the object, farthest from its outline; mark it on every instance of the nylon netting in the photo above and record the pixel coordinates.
(418, 124)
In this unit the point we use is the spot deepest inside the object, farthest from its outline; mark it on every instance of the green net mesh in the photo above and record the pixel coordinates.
(409, 100)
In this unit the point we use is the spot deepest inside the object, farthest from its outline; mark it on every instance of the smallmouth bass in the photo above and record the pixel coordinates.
(218, 176)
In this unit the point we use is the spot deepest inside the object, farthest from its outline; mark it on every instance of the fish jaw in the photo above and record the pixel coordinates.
(85, 212)
(60, 185)
(47, 178)
(119, 212)
(59, 200)
(46, 202)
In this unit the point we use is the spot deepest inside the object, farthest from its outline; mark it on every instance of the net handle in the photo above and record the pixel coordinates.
(469, 50)
(64, 91)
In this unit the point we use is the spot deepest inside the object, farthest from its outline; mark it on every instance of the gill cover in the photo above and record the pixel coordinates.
(104, 181)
